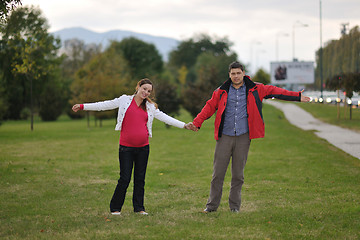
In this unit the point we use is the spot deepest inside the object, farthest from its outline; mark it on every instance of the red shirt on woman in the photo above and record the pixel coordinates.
(134, 132)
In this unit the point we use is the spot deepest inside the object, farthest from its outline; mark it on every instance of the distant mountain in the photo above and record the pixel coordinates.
(164, 44)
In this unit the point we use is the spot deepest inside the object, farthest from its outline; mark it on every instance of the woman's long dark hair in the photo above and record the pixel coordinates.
(150, 99)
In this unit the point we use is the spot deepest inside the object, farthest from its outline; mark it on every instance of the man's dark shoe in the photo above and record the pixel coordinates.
(206, 210)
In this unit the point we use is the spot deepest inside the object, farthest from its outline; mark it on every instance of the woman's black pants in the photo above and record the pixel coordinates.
(130, 157)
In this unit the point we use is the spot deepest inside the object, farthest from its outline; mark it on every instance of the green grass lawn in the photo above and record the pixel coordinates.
(329, 113)
(56, 183)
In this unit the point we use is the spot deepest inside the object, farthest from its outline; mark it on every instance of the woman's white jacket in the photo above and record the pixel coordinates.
(123, 102)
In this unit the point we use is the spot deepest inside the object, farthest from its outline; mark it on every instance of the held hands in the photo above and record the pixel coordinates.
(191, 126)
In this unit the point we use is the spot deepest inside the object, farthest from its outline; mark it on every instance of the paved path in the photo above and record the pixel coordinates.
(346, 140)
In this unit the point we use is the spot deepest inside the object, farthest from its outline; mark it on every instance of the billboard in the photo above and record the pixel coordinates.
(292, 72)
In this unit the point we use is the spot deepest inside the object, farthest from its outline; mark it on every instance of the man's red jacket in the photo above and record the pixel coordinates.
(255, 93)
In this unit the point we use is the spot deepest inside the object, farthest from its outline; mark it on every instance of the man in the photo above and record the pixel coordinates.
(238, 107)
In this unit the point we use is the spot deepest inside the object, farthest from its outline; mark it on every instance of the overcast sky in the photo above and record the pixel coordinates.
(253, 26)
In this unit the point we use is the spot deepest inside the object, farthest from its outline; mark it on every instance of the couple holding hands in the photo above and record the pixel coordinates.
(237, 103)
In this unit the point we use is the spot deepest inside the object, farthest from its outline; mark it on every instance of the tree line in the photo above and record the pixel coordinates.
(341, 63)
(36, 78)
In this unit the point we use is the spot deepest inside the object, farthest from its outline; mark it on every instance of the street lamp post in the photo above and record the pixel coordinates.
(296, 24)
(279, 34)
(321, 56)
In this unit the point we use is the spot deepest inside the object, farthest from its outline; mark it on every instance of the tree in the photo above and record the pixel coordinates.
(341, 63)
(6, 6)
(50, 106)
(167, 98)
(211, 71)
(29, 59)
(104, 77)
(143, 58)
(262, 77)
(76, 54)
(340, 56)
(167, 94)
(186, 54)
(349, 82)
(187, 51)
(32, 67)
(182, 73)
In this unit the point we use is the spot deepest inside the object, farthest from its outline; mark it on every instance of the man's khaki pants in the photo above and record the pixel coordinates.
(226, 147)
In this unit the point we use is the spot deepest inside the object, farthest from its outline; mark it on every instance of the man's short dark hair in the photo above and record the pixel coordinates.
(236, 64)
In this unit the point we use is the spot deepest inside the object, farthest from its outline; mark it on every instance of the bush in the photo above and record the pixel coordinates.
(167, 98)
(25, 113)
(51, 103)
